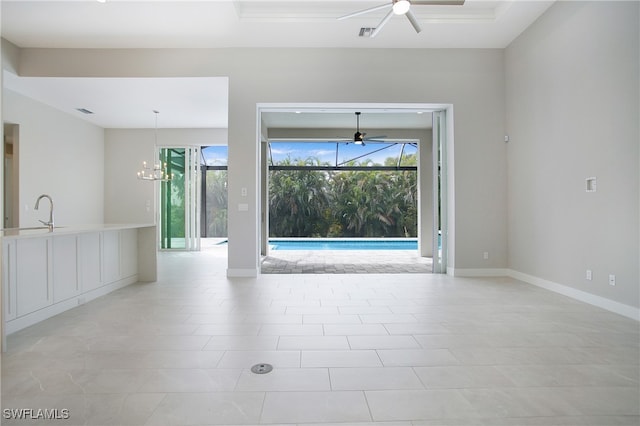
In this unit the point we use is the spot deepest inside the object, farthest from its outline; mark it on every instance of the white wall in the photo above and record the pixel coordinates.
(128, 199)
(572, 84)
(470, 79)
(61, 156)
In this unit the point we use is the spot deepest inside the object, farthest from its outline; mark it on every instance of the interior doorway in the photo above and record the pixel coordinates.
(433, 194)
(11, 175)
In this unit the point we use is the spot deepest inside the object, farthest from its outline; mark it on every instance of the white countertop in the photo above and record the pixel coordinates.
(43, 231)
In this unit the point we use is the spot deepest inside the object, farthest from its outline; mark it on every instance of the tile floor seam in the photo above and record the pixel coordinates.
(368, 406)
(264, 399)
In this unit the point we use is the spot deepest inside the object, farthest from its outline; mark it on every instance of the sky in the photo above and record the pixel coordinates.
(324, 151)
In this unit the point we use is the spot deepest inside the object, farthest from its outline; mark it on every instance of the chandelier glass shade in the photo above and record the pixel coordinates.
(158, 171)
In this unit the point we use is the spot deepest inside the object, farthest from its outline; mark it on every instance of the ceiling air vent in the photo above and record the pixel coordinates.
(366, 31)
(84, 110)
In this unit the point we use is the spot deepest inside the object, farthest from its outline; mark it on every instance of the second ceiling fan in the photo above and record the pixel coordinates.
(402, 7)
(359, 138)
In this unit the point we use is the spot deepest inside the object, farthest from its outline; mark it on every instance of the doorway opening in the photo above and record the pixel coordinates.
(430, 164)
(11, 175)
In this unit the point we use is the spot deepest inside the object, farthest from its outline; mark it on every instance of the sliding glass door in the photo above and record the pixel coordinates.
(180, 199)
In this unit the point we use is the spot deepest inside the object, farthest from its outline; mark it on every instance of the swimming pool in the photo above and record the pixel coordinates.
(343, 244)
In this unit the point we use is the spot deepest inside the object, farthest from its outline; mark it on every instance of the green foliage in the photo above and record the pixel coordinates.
(310, 203)
(298, 201)
(216, 203)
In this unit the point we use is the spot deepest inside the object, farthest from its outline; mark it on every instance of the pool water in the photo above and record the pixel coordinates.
(350, 244)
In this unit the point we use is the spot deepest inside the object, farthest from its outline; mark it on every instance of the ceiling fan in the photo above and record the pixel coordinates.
(359, 138)
(402, 7)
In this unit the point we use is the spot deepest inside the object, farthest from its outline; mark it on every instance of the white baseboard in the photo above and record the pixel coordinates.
(35, 317)
(574, 293)
(480, 272)
(583, 296)
(242, 273)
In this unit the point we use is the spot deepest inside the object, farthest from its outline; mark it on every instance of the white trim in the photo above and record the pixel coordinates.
(242, 273)
(479, 272)
(60, 307)
(583, 296)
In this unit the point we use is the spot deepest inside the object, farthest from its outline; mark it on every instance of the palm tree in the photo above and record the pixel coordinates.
(216, 203)
(360, 203)
(298, 200)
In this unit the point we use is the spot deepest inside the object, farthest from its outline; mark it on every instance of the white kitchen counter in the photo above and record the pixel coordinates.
(43, 231)
(47, 272)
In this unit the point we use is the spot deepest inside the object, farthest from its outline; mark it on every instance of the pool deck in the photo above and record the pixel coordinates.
(334, 261)
(345, 262)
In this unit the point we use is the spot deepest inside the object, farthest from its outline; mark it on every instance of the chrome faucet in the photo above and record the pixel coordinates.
(50, 223)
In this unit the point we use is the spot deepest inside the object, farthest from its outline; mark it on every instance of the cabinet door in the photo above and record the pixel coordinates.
(111, 258)
(33, 274)
(90, 248)
(9, 279)
(128, 252)
(65, 268)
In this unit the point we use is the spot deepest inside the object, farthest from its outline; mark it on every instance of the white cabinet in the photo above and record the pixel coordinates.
(65, 268)
(128, 252)
(49, 273)
(9, 279)
(33, 275)
(90, 246)
(111, 256)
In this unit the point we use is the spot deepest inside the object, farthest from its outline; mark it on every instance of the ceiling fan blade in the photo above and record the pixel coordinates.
(362, 12)
(438, 2)
(382, 23)
(375, 137)
(414, 21)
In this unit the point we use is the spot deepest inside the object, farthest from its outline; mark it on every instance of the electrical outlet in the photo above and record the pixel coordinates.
(612, 279)
(589, 275)
(485, 255)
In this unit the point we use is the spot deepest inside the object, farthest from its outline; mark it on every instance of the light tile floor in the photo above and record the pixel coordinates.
(387, 349)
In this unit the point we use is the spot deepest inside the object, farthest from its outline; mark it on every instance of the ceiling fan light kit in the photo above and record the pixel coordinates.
(401, 7)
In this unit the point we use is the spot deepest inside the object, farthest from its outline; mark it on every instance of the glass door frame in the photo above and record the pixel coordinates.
(440, 174)
(192, 198)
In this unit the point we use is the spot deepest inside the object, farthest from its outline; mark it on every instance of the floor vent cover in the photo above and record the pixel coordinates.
(261, 368)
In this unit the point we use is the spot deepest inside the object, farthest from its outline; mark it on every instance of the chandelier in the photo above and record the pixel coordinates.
(158, 171)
